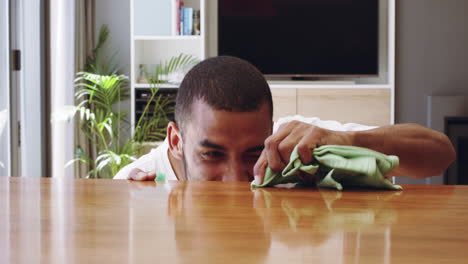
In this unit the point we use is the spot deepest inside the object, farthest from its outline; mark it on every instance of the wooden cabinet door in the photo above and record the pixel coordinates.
(284, 102)
(363, 106)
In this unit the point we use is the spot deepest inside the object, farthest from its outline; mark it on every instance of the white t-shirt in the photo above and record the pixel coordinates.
(157, 160)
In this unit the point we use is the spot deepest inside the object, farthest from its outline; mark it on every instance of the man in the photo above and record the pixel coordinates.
(223, 132)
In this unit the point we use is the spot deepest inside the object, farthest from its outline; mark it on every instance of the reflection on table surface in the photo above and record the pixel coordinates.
(88, 221)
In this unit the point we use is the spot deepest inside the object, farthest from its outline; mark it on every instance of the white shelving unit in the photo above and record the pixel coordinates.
(154, 38)
(367, 100)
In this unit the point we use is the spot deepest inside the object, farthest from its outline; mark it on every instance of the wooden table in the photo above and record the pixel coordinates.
(111, 221)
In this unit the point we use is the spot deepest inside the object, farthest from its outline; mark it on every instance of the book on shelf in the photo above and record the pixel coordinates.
(187, 20)
(179, 5)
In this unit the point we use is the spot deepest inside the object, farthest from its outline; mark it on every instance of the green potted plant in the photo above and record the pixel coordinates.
(100, 91)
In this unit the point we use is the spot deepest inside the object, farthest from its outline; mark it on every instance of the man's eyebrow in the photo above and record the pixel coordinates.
(255, 149)
(208, 144)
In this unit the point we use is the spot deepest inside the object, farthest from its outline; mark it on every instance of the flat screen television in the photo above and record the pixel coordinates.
(302, 37)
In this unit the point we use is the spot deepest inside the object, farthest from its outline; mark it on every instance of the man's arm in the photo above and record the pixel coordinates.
(141, 169)
(423, 152)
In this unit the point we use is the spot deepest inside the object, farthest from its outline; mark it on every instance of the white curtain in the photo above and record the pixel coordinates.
(62, 67)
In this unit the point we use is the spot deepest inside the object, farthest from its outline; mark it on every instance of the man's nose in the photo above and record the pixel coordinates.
(236, 171)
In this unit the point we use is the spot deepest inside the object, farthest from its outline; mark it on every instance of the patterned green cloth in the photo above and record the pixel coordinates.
(338, 166)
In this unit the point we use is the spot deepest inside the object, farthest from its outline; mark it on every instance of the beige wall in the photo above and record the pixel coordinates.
(431, 55)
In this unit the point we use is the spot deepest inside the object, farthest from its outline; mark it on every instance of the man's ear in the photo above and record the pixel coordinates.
(174, 136)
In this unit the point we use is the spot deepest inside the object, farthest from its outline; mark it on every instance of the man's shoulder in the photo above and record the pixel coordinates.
(148, 162)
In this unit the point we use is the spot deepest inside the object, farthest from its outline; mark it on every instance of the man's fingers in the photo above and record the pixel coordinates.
(133, 174)
(260, 167)
(147, 176)
(272, 154)
(309, 141)
(286, 147)
(139, 175)
(305, 153)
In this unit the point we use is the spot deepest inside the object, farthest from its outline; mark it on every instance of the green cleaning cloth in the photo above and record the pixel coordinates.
(337, 166)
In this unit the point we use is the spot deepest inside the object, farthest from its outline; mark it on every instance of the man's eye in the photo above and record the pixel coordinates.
(253, 157)
(211, 155)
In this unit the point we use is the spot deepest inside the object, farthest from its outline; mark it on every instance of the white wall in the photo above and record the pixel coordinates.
(431, 55)
(116, 14)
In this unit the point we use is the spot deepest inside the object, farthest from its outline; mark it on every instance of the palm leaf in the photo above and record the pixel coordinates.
(174, 64)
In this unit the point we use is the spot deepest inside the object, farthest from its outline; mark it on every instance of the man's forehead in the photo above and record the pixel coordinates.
(201, 110)
(206, 120)
(241, 130)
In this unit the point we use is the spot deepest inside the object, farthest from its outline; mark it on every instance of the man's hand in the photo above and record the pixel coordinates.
(278, 147)
(139, 175)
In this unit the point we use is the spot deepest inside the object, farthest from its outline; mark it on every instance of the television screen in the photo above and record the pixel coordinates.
(302, 37)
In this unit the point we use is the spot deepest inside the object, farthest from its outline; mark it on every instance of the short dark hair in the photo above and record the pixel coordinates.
(224, 83)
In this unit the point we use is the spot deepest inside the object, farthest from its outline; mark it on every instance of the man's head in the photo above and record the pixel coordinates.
(223, 83)
(223, 114)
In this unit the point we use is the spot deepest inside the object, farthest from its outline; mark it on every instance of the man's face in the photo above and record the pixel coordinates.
(223, 146)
